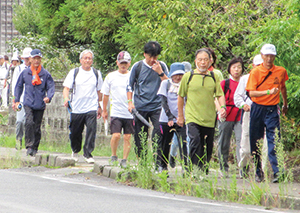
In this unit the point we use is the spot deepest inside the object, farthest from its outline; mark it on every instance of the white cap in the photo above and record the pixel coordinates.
(15, 58)
(124, 56)
(26, 52)
(257, 60)
(1, 56)
(268, 49)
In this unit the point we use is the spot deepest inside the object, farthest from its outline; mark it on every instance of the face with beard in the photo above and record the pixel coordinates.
(202, 61)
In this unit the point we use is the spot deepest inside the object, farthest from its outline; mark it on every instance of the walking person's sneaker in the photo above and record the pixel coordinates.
(34, 152)
(18, 145)
(31, 152)
(113, 159)
(244, 172)
(89, 160)
(75, 156)
(259, 178)
(278, 177)
(172, 161)
(123, 163)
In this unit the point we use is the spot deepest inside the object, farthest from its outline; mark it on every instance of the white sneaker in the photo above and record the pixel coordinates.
(89, 160)
(75, 156)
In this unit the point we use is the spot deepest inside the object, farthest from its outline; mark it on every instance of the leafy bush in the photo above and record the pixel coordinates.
(290, 133)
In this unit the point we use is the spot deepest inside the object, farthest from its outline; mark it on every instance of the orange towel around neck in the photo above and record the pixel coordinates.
(35, 75)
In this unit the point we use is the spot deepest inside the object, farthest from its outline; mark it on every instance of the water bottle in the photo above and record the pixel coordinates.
(221, 119)
(19, 107)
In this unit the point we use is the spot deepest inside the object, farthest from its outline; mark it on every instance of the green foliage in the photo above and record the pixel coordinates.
(184, 26)
(3, 119)
(282, 30)
(26, 17)
(290, 133)
(293, 97)
(56, 61)
(230, 27)
(180, 26)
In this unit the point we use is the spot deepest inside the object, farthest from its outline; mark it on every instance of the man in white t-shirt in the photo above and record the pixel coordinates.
(114, 86)
(20, 122)
(3, 78)
(86, 83)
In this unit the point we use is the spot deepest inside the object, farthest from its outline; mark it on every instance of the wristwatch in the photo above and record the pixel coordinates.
(161, 74)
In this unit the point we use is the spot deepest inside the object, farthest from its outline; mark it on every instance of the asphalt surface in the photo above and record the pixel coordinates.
(43, 190)
(78, 189)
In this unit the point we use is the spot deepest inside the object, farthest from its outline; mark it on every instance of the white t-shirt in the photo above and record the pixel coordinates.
(4, 71)
(115, 86)
(172, 101)
(15, 78)
(85, 98)
(240, 97)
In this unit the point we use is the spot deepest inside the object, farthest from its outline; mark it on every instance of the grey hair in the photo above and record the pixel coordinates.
(84, 52)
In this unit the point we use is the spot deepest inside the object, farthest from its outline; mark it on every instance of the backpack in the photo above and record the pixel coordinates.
(192, 74)
(226, 89)
(138, 70)
(75, 74)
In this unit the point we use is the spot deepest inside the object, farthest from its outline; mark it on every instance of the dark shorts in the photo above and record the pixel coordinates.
(117, 124)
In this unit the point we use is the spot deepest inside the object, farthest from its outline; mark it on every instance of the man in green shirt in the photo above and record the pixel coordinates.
(200, 88)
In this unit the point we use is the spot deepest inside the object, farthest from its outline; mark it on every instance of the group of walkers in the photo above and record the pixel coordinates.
(183, 105)
(6, 73)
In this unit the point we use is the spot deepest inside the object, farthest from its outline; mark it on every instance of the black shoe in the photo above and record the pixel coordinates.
(29, 151)
(259, 178)
(34, 152)
(278, 178)
(172, 161)
(244, 172)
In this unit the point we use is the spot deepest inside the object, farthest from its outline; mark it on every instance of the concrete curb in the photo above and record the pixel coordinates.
(53, 160)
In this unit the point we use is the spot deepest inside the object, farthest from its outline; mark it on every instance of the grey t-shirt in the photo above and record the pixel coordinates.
(172, 101)
(145, 85)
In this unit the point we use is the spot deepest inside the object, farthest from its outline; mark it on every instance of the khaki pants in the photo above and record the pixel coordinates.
(245, 144)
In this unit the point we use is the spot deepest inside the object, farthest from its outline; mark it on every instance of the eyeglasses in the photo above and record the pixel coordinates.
(87, 58)
(202, 59)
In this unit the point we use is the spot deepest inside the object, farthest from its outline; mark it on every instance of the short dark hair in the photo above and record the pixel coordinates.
(234, 61)
(6, 58)
(152, 48)
(213, 54)
(202, 50)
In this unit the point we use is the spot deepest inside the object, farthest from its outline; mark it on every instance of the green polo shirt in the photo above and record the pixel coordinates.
(201, 92)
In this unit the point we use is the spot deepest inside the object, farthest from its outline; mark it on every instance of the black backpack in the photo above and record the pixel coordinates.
(138, 70)
(226, 89)
(75, 74)
(192, 74)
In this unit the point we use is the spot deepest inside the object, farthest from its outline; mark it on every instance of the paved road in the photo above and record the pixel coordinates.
(63, 190)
